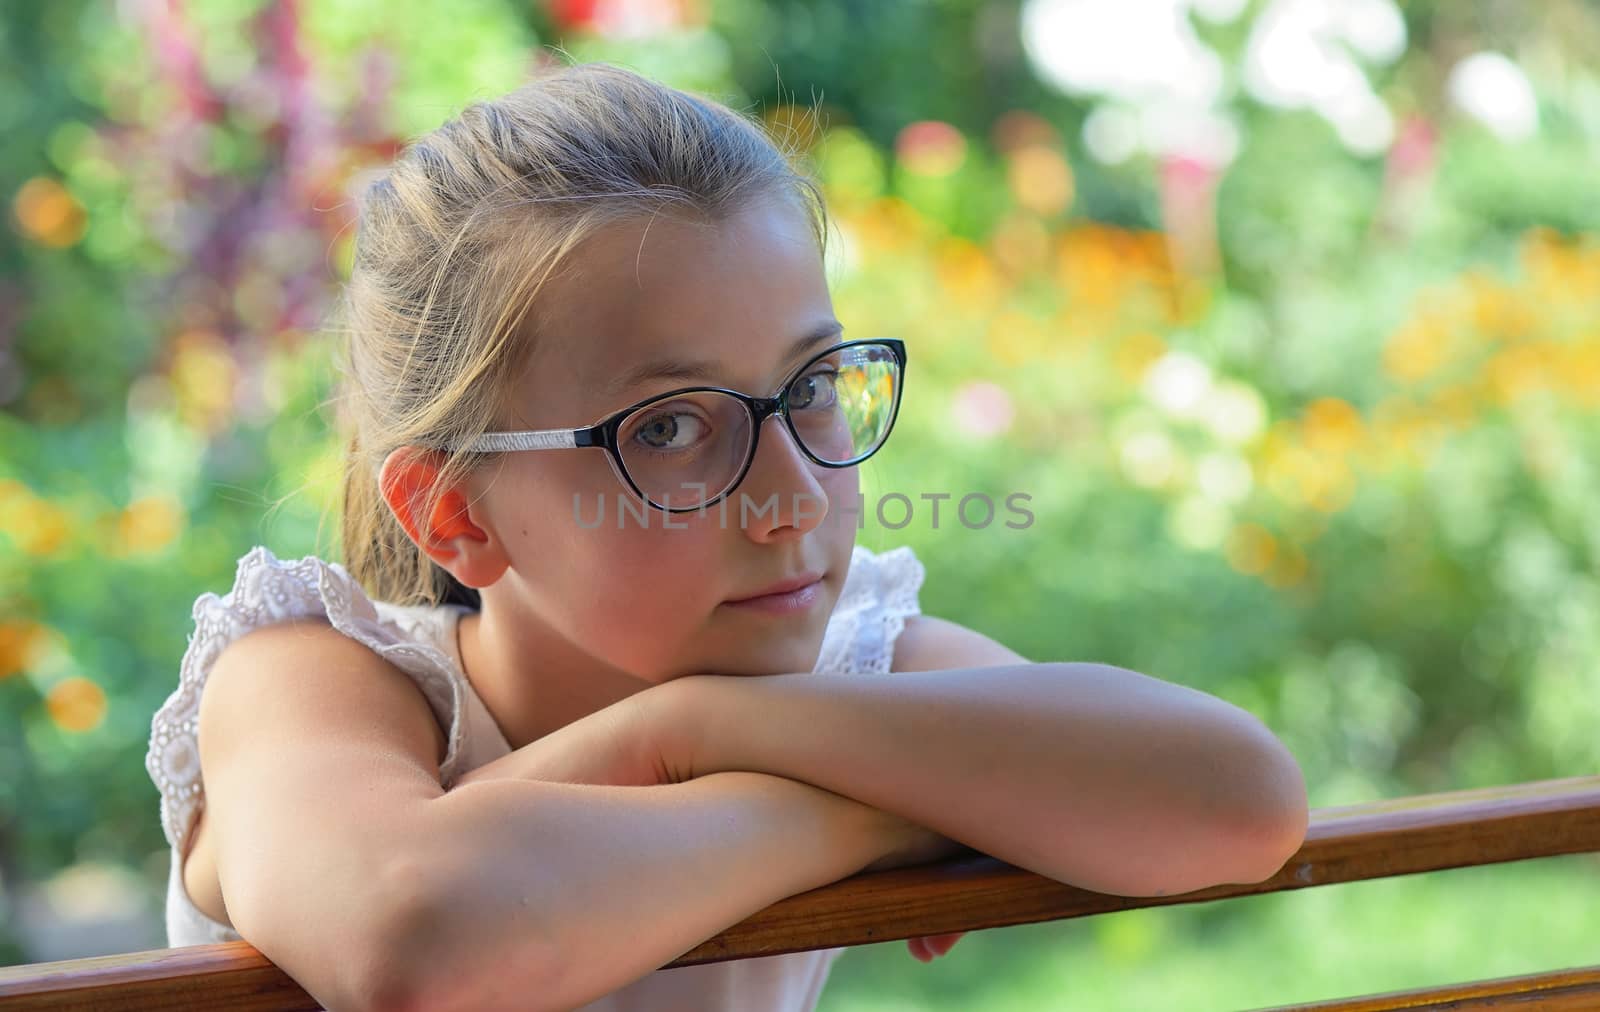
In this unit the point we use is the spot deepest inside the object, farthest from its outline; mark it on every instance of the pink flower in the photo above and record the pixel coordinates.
(983, 409)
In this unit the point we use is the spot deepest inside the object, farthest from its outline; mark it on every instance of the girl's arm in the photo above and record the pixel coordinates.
(1085, 773)
(343, 859)
(548, 895)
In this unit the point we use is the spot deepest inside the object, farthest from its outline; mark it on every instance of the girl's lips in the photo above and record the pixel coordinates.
(790, 602)
(782, 586)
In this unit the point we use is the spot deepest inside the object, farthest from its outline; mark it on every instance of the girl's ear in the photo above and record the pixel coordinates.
(448, 534)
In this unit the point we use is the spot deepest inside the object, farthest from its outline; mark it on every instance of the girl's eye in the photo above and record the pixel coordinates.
(669, 430)
(814, 390)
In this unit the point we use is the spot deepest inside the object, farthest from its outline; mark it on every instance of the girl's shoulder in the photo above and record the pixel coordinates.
(267, 590)
(881, 591)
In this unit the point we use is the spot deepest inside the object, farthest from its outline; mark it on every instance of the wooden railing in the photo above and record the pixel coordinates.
(1352, 843)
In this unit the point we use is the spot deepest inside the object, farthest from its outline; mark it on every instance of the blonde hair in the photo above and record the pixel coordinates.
(455, 242)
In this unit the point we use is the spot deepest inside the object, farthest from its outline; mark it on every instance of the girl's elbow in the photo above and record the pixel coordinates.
(421, 956)
(389, 966)
(1267, 844)
(1270, 827)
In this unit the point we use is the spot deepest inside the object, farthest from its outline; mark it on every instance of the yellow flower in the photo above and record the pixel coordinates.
(1040, 179)
(1415, 350)
(1305, 472)
(20, 641)
(1332, 426)
(1518, 370)
(1496, 309)
(1288, 569)
(1133, 355)
(203, 378)
(1333, 487)
(887, 227)
(148, 525)
(1454, 406)
(1581, 372)
(966, 274)
(1395, 430)
(1561, 271)
(1089, 268)
(38, 526)
(49, 214)
(1021, 244)
(76, 704)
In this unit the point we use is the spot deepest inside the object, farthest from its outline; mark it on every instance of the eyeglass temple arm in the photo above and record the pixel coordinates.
(541, 439)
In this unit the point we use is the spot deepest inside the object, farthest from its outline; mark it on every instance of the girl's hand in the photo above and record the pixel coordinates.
(626, 744)
(911, 844)
(907, 844)
(930, 947)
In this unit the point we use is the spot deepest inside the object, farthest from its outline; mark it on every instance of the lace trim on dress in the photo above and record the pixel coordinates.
(879, 594)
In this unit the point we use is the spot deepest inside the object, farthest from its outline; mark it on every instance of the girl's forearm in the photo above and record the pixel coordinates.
(1085, 773)
(546, 895)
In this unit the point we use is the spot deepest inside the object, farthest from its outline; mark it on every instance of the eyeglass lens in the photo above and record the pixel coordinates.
(688, 449)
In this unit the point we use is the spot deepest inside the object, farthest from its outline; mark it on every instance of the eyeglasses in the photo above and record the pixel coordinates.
(695, 445)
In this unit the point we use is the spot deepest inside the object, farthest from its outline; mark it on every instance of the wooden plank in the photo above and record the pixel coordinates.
(231, 975)
(1573, 990)
(1344, 844)
(1351, 843)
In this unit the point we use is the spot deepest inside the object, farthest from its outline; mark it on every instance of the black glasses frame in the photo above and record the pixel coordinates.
(603, 433)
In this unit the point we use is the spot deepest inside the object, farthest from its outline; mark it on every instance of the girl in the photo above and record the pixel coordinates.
(522, 749)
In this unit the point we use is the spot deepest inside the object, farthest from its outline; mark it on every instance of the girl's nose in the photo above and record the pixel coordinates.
(781, 489)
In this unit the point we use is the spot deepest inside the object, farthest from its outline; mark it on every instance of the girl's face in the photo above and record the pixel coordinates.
(725, 302)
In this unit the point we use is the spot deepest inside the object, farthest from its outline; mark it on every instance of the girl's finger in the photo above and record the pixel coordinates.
(919, 949)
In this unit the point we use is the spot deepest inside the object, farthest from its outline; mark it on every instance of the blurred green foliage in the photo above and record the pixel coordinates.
(1310, 428)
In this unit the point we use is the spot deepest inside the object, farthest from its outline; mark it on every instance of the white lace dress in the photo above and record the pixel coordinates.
(880, 592)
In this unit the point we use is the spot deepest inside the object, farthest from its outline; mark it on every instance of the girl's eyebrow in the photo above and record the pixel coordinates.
(693, 370)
